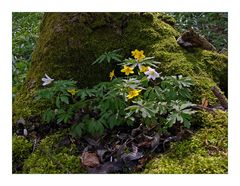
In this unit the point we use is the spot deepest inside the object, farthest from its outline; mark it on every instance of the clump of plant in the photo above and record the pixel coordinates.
(141, 96)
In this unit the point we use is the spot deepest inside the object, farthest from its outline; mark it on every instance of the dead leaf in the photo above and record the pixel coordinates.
(134, 155)
(103, 154)
(90, 159)
(204, 102)
(155, 142)
(136, 131)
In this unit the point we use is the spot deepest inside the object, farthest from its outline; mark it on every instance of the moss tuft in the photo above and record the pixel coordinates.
(204, 153)
(21, 149)
(53, 156)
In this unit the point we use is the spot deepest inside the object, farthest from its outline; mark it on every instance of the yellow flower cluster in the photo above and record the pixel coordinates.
(138, 54)
(72, 91)
(133, 93)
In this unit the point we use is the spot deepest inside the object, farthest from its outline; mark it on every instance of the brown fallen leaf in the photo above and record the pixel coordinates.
(90, 159)
(144, 144)
(204, 102)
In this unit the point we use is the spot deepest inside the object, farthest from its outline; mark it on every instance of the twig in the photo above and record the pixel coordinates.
(221, 98)
(200, 107)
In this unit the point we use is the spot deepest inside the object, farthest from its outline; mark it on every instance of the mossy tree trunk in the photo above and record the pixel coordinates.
(70, 42)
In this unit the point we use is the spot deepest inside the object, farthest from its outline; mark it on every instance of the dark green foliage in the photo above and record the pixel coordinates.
(59, 96)
(170, 99)
(111, 104)
(25, 29)
(109, 56)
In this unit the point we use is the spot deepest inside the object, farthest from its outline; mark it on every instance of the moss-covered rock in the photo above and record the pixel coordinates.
(21, 149)
(54, 155)
(204, 153)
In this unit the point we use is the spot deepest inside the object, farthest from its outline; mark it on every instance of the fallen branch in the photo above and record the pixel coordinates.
(200, 107)
(221, 98)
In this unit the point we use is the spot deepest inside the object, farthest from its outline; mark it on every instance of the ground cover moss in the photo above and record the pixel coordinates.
(204, 153)
(52, 156)
(21, 149)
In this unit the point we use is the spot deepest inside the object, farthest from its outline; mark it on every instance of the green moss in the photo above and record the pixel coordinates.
(70, 42)
(167, 18)
(53, 157)
(204, 153)
(21, 149)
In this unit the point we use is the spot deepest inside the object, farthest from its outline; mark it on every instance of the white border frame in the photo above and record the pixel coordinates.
(9, 6)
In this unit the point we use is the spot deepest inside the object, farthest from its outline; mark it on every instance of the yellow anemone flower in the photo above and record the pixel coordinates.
(72, 91)
(138, 54)
(134, 52)
(127, 70)
(133, 93)
(143, 68)
(111, 75)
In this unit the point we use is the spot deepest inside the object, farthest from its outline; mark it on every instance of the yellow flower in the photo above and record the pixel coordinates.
(72, 91)
(143, 68)
(127, 70)
(134, 52)
(138, 55)
(111, 75)
(133, 93)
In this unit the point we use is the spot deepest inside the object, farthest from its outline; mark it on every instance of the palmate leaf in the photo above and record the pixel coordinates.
(76, 130)
(48, 115)
(108, 57)
(162, 107)
(64, 116)
(171, 120)
(64, 99)
(94, 126)
(64, 84)
(187, 124)
(58, 102)
(186, 105)
(47, 93)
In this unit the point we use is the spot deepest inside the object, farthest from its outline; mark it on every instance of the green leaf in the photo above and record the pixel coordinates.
(187, 124)
(58, 102)
(171, 119)
(146, 93)
(64, 99)
(48, 115)
(99, 129)
(179, 118)
(117, 58)
(76, 130)
(60, 119)
(158, 91)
